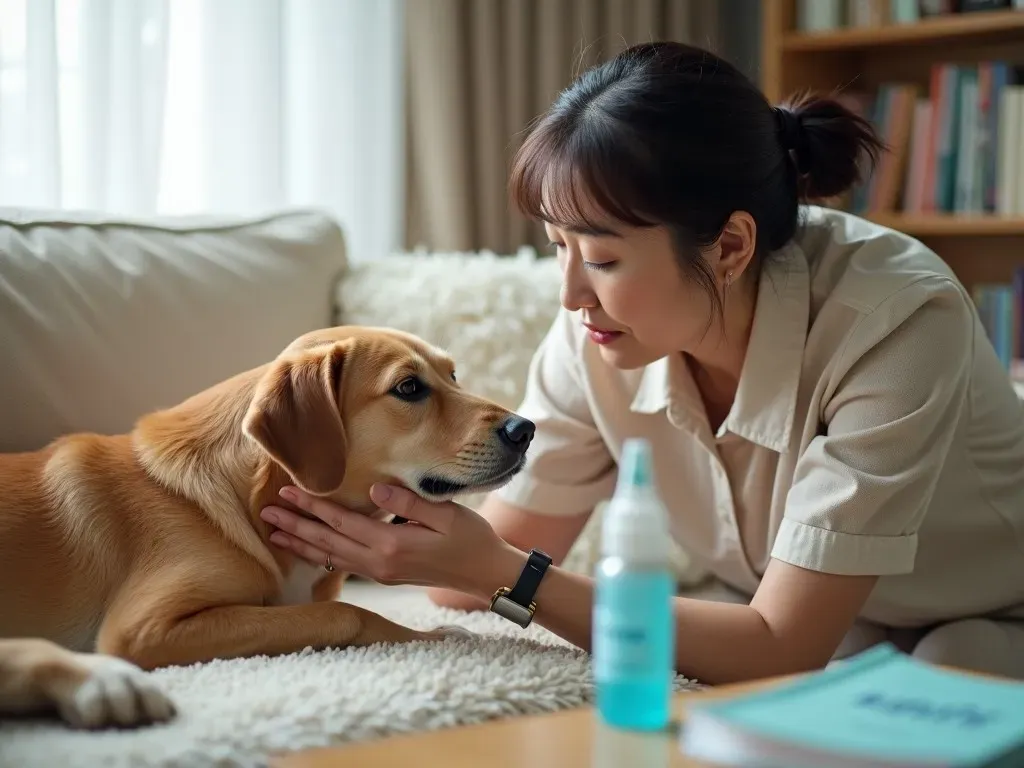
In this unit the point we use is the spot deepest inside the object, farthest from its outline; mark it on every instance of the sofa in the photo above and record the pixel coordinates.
(103, 318)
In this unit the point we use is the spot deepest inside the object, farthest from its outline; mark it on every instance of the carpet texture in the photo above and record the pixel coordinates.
(239, 712)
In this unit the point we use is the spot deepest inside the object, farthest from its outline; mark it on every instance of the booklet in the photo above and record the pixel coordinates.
(878, 708)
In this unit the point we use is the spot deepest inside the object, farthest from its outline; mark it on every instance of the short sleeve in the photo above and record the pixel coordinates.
(862, 489)
(569, 468)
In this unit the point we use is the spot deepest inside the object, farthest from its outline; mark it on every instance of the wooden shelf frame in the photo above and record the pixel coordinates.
(974, 27)
(979, 247)
(952, 224)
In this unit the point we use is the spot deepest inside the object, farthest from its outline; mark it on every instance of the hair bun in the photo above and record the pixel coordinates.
(791, 131)
(829, 142)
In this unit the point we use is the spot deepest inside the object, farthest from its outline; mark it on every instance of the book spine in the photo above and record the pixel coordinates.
(963, 153)
(997, 73)
(1018, 139)
(999, 310)
(972, 6)
(938, 96)
(904, 11)
(948, 138)
(914, 182)
(1008, 140)
(819, 15)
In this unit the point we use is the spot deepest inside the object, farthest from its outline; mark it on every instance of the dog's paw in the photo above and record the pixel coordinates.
(114, 692)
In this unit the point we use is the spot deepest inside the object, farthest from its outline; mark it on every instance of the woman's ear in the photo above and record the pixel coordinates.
(736, 247)
(295, 417)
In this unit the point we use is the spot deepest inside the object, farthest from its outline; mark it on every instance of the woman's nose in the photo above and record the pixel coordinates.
(576, 291)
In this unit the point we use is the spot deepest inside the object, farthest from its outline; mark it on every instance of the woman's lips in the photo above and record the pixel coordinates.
(601, 335)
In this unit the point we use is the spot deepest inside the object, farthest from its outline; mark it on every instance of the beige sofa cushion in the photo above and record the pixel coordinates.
(103, 319)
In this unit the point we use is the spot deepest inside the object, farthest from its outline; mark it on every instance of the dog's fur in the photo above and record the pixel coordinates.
(142, 550)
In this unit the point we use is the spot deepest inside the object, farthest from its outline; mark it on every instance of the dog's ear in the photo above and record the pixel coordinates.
(295, 417)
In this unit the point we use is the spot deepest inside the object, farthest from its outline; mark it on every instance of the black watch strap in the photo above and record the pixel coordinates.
(529, 579)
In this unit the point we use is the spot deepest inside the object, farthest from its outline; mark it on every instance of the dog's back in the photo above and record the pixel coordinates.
(64, 547)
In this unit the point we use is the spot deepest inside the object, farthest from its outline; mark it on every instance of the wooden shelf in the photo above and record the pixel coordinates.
(985, 25)
(963, 225)
(980, 248)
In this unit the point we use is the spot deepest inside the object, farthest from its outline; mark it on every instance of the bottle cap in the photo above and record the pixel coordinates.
(635, 521)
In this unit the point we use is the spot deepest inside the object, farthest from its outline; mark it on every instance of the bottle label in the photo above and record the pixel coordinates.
(633, 626)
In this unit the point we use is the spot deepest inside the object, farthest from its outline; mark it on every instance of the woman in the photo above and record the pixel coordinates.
(833, 433)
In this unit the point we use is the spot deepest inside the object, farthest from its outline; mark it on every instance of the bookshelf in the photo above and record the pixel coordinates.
(859, 49)
(952, 28)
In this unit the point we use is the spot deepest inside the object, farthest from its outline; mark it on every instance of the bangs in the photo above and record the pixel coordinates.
(582, 180)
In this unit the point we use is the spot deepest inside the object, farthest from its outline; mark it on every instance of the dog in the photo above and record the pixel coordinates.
(125, 553)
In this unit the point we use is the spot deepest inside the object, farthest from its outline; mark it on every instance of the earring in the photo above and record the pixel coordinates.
(728, 278)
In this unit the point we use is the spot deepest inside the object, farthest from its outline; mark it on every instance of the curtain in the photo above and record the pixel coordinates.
(478, 71)
(206, 106)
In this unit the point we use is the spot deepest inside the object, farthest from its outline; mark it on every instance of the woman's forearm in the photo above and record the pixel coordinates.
(453, 598)
(715, 642)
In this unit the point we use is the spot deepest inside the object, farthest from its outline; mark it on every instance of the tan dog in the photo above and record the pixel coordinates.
(148, 548)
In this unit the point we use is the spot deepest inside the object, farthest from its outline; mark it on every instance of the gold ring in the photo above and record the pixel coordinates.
(327, 565)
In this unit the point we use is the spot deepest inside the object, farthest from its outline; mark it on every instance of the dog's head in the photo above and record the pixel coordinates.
(343, 408)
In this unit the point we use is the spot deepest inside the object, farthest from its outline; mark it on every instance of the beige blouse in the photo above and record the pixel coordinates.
(874, 432)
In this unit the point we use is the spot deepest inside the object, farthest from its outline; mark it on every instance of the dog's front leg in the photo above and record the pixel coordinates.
(222, 632)
(87, 690)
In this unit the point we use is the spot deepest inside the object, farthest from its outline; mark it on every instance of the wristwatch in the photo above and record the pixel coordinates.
(517, 604)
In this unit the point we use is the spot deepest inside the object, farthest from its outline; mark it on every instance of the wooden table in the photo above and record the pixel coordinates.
(569, 739)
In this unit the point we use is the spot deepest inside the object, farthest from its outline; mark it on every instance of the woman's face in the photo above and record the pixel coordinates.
(632, 297)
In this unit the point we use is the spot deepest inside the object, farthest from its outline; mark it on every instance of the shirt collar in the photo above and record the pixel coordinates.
(765, 404)
(654, 391)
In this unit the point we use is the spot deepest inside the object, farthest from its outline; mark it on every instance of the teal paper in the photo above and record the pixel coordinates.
(884, 705)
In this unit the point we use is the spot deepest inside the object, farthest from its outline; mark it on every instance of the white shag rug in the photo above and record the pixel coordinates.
(241, 712)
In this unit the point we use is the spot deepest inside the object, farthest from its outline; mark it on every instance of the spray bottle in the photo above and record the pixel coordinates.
(633, 648)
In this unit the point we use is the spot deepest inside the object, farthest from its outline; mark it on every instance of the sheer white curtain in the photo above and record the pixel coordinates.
(206, 106)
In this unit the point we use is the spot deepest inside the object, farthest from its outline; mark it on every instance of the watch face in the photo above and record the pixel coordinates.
(512, 611)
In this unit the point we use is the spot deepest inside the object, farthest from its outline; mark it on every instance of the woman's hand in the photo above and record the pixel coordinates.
(443, 545)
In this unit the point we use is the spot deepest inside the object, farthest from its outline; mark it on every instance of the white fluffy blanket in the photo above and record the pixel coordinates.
(238, 713)
(489, 312)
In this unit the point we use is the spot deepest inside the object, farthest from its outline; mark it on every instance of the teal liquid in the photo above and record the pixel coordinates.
(633, 645)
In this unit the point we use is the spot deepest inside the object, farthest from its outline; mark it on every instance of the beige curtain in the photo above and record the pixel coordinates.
(479, 71)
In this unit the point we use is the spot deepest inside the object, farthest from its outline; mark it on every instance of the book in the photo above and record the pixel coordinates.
(951, 143)
(880, 707)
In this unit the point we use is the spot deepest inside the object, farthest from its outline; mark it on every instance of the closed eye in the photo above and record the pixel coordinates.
(598, 266)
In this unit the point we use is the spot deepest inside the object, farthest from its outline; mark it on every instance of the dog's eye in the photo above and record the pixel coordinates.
(453, 376)
(410, 389)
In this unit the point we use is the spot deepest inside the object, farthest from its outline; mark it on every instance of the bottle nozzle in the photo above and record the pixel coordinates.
(635, 464)
(635, 521)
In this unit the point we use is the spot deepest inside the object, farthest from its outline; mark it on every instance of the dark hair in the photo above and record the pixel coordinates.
(668, 133)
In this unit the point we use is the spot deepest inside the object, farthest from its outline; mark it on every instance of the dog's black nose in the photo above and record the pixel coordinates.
(517, 433)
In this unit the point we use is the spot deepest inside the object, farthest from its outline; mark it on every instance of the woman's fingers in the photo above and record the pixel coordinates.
(405, 503)
(305, 550)
(366, 565)
(319, 537)
(352, 525)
